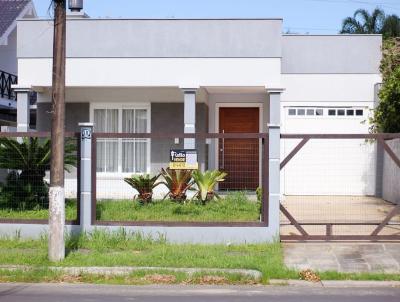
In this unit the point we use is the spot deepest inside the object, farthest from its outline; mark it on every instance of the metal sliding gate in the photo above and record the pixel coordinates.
(333, 183)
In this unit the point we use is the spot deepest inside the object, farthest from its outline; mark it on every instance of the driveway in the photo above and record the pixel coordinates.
(338, 209)
(344, 257)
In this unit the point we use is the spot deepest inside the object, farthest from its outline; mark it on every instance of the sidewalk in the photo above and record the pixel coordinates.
(344, 257)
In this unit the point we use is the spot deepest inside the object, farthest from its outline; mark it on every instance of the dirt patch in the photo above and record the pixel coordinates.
(213, 280)
(309, 275)
(160, 279)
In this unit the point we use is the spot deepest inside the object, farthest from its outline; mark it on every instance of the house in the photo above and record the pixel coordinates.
(10, 11)
(135, 78)
(206, 75)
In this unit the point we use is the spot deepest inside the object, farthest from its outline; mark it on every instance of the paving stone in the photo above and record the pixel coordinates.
(351, 258)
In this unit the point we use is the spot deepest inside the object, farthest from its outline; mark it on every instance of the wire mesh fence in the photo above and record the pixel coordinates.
(334, 186)
(25, 177)
(134, 182)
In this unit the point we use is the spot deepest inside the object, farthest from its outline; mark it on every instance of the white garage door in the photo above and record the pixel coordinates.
(328, 167)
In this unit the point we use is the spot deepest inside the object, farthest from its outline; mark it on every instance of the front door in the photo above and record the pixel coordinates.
(239, 157)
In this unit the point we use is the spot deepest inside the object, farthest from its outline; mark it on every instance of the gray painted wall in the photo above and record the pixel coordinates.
(168, 118)
(331, 54)
(154, 38)
(74, 113)
(8, 54)
(391, 174)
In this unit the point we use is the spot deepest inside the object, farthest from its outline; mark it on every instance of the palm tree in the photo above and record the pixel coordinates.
(29, 160)
(363, 22)
(376, 22)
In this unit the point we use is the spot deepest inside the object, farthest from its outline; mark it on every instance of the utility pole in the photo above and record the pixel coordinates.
(56, 191)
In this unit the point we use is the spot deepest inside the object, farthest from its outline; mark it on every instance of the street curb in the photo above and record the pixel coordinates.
(335, 283)
(125, 270)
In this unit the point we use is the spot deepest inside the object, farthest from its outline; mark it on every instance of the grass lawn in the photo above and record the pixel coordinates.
(234, 208)
(122, 249)
(70, 212)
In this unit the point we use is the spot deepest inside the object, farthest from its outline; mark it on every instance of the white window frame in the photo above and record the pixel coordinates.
(120, 107)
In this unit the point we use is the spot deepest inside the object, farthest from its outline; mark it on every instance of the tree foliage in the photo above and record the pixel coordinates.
(28, 160)
(376, 22)
(386, 116)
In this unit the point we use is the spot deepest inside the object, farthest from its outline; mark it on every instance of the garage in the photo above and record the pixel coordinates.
(328, 166)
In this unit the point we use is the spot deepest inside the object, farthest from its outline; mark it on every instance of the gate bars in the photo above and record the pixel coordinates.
(304, 235)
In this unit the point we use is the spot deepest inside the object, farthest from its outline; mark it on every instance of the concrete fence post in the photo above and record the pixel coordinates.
(23, 109)
(86, 176)
(189, 116)
(274, 132)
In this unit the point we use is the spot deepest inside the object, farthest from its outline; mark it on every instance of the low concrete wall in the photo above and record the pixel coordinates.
(203, 235)
(391, 174)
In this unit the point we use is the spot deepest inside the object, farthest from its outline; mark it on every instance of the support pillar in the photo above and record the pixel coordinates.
(189, 116)
(23, 109)
(274, 131)
(86, 176)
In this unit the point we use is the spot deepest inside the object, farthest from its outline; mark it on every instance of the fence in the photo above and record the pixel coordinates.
(243, 157)
(6, 80)
(331, 187)
(24, 177)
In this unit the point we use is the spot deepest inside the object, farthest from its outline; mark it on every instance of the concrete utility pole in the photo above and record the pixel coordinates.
(56, 192)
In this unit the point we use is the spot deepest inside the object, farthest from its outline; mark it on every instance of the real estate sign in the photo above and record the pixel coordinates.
(183, 159)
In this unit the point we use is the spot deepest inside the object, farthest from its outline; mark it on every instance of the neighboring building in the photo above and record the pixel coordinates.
(129, 75)
(10, 12)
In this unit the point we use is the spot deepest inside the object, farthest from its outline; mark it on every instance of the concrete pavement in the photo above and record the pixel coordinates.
(344, 257)
(103, 293)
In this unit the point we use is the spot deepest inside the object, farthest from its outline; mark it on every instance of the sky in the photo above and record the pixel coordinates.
(299, 16)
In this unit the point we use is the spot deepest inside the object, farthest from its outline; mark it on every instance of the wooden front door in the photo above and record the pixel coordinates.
(239, 157)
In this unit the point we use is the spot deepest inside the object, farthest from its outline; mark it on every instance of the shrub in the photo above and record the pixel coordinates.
(177, 182)
(145, 185)
(206, 183)
(29, 160)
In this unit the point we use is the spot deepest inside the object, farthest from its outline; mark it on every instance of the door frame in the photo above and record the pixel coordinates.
(260, 107)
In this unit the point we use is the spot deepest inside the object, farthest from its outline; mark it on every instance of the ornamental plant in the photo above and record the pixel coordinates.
(206, 183)
(177, 182)
(145, 185)
(28, 160)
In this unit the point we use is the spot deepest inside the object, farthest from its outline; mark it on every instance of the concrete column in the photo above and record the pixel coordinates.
(274, 131)
(189, 116)
(86, 176)
(23, 109)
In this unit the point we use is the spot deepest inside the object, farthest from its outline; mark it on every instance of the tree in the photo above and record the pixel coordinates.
(386, 117)
(29, 160)
(376, 22)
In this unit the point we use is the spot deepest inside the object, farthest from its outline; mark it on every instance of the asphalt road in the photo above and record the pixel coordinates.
(100, 293)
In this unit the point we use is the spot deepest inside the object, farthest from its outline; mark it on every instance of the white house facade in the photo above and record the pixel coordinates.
(207, 76)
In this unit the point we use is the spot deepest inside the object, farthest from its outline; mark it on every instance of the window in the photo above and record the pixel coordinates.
(310, 112)
(341, 112)
(122, 155)
(359, 112)
(331, 112)
(350, 112)
(292, 111)
(319, 112)
(301, 111)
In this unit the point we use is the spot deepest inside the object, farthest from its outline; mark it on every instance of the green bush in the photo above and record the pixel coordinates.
(24, 192)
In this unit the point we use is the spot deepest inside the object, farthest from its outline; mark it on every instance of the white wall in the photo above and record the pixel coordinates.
(391, 174)
(329, 87)
(127, 72)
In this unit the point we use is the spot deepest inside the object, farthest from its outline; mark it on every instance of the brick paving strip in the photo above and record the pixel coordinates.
(344, 257)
